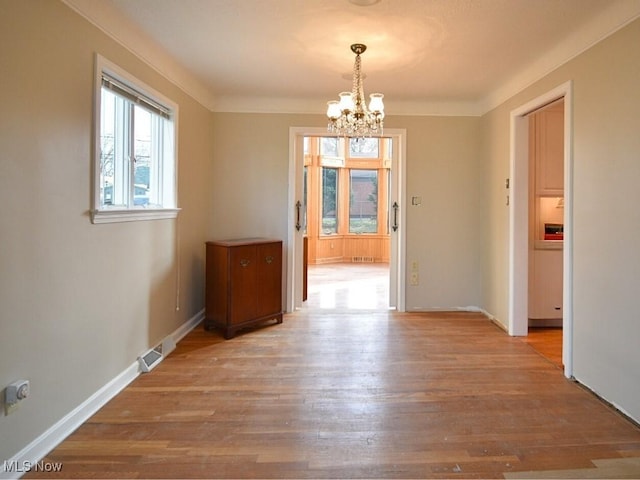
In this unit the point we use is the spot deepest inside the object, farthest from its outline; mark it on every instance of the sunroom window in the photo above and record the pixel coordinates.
(364, 147)
(329, 201)
(363, 201)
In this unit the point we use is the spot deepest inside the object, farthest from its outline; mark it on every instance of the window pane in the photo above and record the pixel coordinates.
(363, 206)
(149, 148)
(142, 154)
(329, 147)
(114, 150)
(364, 147)
(329, 201)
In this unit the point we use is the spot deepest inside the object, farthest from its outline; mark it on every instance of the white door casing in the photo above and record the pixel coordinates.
(519, 223)
(295, 237)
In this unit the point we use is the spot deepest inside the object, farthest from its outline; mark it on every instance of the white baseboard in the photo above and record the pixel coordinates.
(46, 442)
(187, 326)
(38, 449)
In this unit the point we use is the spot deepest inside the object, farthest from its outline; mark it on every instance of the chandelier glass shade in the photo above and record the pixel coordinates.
(350, 115)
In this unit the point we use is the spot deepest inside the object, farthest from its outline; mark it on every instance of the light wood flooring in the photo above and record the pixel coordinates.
(547, 341)
(352, 286)
(337, 393)
(365, 286)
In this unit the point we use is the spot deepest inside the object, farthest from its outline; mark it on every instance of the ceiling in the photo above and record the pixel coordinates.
(426, 56)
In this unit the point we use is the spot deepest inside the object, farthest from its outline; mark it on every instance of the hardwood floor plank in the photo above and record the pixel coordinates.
(350, 395)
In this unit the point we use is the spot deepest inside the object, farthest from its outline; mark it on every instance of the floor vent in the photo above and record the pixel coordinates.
(150, 359)
(362, 259)
(154, 356)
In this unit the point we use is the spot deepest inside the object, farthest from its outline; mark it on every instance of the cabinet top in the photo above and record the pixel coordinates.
(236, 242)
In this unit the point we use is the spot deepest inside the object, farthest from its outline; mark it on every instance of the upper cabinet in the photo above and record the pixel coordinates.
(546, 194)
(547, 128)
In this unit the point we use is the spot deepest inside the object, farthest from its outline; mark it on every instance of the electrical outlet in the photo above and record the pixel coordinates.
(414, 279)
(16, 391)
(414, 266)
(14, 394)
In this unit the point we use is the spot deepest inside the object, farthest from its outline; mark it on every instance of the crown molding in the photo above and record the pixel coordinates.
(317, 106)
(112, 22)
(615, 17)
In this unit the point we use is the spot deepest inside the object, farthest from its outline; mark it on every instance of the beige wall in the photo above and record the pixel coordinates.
(79, 302)
(443, 169)
(249, 194)
(250, 174)
(606, 111)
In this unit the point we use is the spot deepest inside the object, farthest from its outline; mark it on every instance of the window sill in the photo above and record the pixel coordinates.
(133, 215)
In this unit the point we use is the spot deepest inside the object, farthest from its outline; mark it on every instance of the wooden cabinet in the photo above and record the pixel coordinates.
(243, 284)
(547, 176)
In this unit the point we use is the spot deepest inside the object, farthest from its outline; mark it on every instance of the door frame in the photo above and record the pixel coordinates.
(295, 237)
(519, 220)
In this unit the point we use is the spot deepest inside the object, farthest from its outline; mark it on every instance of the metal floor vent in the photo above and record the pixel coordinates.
(150, 359)
(362, 259)
(154, 356)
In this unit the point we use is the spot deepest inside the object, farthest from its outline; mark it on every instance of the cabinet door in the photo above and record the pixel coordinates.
(550, 151)
(217, 284)
(545, 299)
(243, 287)
(269, 260)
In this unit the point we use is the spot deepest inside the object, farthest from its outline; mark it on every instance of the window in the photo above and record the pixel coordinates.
(364, 147)
(329, 147)
(135, 159)
(363, 201)
(332, 151)
(329, 201)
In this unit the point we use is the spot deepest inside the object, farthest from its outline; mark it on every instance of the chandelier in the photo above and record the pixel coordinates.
(350, 116)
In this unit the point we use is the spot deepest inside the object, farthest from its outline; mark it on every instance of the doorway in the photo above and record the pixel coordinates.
(520, 221)
(394, 217)
(546, 228)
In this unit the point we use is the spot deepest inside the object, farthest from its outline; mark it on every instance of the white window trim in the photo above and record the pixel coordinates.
(134, 213)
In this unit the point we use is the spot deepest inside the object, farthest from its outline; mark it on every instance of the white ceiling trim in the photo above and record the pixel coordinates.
(121, 29)
(116, 25)
(318, 105)
(617, 16)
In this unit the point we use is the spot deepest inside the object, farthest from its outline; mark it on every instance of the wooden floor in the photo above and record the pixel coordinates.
(365, 286)
(547, 341)
(352, 286)
(336, 393)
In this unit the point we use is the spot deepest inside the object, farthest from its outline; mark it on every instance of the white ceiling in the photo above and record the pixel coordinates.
(426, 56)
